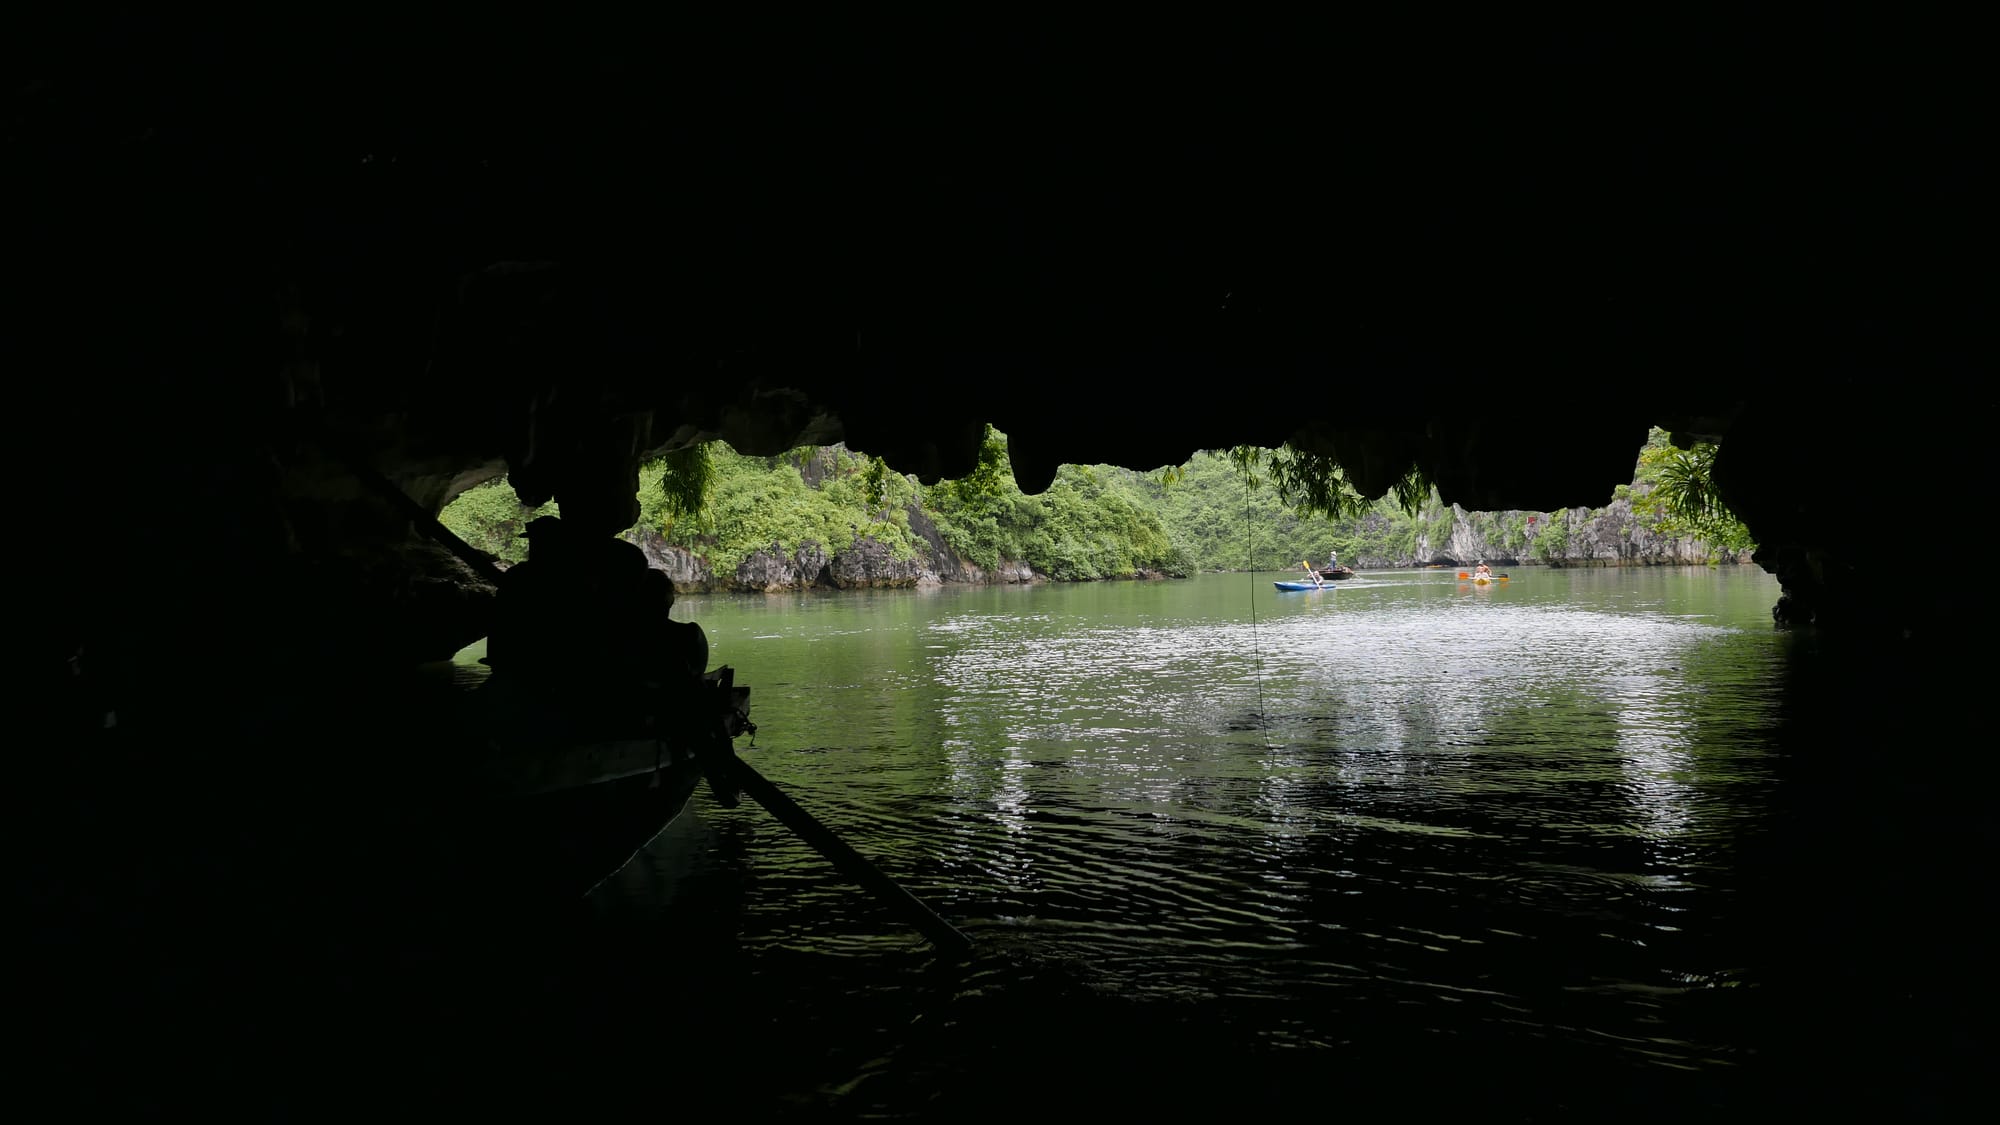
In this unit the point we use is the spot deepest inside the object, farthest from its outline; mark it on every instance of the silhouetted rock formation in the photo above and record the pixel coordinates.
(472, 252)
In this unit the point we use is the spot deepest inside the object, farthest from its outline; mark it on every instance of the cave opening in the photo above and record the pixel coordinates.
(446, 249)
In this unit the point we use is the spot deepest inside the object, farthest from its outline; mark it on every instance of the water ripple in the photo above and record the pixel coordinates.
(1497, 818)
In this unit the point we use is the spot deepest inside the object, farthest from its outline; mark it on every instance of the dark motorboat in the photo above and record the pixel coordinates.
(1336, 573)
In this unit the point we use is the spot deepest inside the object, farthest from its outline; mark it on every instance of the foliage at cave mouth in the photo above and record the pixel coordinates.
(1238, 509)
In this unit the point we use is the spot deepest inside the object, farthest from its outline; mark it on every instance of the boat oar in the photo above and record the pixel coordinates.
(1463, 574)
(722, 760)
(850, 863)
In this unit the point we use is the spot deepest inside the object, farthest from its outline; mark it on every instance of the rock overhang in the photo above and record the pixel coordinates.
(634, 244)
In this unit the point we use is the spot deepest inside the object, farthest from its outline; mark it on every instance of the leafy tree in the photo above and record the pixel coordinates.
(1091, 522)
(1222, 518)
(1552, 540)
(686, 476)
(1315, 484)
(1675, 489)
(757, 503)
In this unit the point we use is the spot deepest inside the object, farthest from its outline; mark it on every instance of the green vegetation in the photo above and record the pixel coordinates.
(751, 503)
(1552, 537)
(1675, 490)
(1222, 514)
(1243, 508)
(1314, 484)
(490, 517)
(1092, 522)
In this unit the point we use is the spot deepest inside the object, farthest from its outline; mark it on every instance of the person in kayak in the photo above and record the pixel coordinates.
(1482, 570)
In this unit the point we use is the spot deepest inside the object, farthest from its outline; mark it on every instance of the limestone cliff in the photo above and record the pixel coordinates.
(866, 564)
(1609, 536)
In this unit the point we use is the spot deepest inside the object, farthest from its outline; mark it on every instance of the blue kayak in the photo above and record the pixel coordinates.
(1303, 585)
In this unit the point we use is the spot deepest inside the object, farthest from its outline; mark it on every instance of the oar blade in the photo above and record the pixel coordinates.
(942, 934)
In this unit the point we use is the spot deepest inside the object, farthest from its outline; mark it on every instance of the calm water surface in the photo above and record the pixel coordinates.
(1418, 839)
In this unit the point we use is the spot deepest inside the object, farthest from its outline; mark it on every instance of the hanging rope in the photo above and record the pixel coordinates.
(1256, 651)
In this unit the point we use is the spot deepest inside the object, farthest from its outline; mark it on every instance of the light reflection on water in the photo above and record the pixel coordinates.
(1392, 805)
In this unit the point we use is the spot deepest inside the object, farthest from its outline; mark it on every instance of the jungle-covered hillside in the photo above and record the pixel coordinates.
(727, 518)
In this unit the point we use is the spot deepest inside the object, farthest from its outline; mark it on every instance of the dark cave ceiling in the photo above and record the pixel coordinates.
(1501, 253)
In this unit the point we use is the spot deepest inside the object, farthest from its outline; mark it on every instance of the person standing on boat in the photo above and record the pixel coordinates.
(564, 614)
(1332, 559)
(586, 620)
(518, 640)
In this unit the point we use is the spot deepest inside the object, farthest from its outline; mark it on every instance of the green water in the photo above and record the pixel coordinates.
(1587, 845)
(1524, 829)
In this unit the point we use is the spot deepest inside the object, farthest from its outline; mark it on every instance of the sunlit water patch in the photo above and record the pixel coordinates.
(1394, 815)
